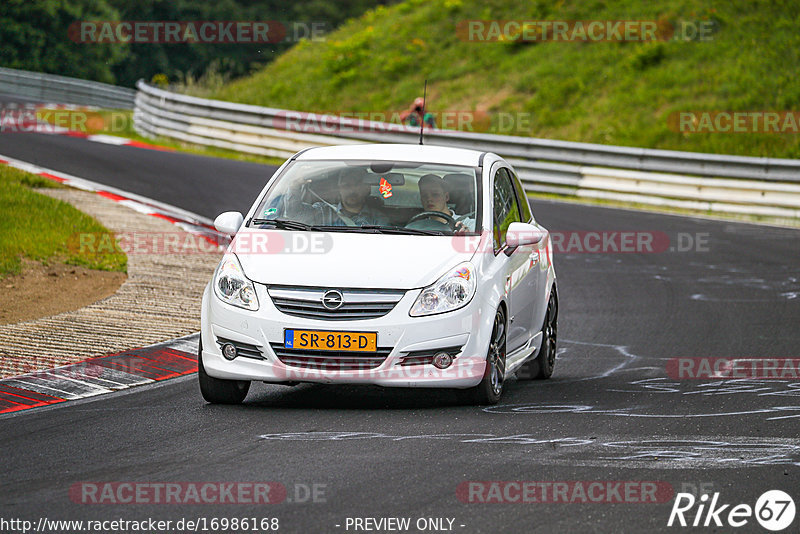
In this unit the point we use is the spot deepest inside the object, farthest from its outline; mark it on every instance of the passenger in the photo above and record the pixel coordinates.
(462, 193)
(353, 208)
(434, 194)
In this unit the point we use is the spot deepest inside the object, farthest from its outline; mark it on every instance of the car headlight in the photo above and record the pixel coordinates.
(231, 285)
(452, 291)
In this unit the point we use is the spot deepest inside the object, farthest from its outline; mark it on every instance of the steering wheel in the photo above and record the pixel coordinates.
(451, 222)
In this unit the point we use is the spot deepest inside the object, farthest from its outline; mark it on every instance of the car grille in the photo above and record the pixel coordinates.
(243, 349)
(330, 360)
(306, 302)
(423, 357)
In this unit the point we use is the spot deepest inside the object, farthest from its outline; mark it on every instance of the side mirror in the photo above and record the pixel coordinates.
(520, 234)
(228, 222)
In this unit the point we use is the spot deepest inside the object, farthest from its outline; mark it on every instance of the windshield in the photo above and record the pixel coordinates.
(398, 197)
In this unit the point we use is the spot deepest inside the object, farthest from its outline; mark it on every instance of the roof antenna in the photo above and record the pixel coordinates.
(422, 122)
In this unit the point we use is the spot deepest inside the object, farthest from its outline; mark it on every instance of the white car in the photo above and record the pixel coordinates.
(391, 265)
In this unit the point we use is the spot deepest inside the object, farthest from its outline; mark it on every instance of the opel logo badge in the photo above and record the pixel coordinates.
(332, 299)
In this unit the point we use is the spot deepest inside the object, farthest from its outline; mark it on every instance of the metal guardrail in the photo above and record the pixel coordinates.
(765, 186)
(50, 88)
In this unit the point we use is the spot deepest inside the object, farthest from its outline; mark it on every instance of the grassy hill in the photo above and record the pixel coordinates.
(620, 93)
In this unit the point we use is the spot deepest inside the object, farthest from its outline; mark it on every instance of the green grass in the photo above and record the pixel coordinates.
(619, 93)
(44, 229)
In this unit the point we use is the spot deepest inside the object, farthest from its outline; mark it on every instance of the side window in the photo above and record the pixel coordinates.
(524, 205)
(506, 210)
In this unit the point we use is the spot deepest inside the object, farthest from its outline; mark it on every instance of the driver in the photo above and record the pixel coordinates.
(434, 194)
(352, 210)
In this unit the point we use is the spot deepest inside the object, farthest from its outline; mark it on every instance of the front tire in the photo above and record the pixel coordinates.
(216, 390)
(490, 388)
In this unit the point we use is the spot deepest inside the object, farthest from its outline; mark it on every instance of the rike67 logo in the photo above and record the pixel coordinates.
(774, 510)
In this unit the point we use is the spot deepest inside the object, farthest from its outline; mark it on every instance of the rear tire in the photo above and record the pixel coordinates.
(216, 390)
(542, 366)
(490, 388)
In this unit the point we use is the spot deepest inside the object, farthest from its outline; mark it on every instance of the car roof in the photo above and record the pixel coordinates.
(395, 152)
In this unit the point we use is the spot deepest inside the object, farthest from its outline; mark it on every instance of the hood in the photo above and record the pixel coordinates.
(353, 260)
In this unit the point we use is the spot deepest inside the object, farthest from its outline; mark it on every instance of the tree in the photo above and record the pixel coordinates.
(34, 35)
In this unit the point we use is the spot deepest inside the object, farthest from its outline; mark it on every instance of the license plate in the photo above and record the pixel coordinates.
(322, 340)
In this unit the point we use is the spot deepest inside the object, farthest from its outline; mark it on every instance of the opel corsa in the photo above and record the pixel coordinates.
(392, 265)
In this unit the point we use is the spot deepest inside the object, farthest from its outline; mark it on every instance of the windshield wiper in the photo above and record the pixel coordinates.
(283, 224)
(345, 229)
(400, 230)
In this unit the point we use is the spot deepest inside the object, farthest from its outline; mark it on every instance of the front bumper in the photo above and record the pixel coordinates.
(469, 327)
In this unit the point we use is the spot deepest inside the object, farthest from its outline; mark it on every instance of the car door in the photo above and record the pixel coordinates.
(536, 280)
(516, 263)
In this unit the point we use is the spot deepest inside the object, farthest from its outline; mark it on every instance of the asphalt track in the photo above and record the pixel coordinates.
(610, 412)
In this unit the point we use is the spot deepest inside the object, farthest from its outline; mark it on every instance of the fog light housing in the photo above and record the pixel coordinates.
(442, 360)
(229, 351)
